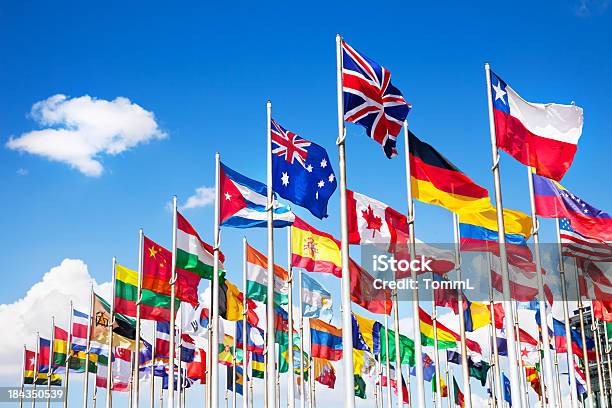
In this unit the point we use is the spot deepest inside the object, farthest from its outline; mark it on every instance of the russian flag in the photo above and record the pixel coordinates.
(543, 136)
(561, 344)
(326, 340)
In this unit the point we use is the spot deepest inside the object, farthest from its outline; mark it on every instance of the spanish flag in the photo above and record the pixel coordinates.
(314, 250)
(435, 180)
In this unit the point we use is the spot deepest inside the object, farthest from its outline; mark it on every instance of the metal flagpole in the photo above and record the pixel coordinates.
(245, 332)
(35, 369)
(87, 345)
(214, 293)
(465, 369)
(347, 324)
(607, 349)
(139, 297)
(234, 361)
(448, 398)
(172, 307)
(514, 374)
(311, 378)
(314, 393)
(271, 362)
(50, 370)
(434, 318)
(418, 348)
(557, 380)
(548, 379)
(22, 382)
(595, 331)
(290, 376)
(68, 356)
(519, 357)
(131, 382)
(398, 357)
(497, 368)
(585, 356)
(568, 333)
(152, 384)
(302, 362)
(179, 352)
(388, 363)
(111, 321)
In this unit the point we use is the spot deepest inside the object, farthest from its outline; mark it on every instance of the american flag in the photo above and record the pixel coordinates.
(371, 100)
(577, 245)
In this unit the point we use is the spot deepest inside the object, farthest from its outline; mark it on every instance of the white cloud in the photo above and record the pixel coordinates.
(22, 172)
(78, 131)
(49, 297)
(203, 196)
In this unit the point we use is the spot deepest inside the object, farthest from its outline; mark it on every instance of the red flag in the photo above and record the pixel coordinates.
(365, 294)
(499, 315)
(196, 370)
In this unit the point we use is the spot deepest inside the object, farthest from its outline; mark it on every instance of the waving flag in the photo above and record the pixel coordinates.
(28, 370)
(301, 171)
(475, 238)
(370, 332)
(192, 253)
(576, 244)
(554, 201)
(257, 279)
(162, 341)
(458, 395)
(516, 222)
(446, 337)
(316, 300)
(196, 370)
(324, 372)
(561, 344)
(364, 293)
(258, 366)
(406, 347)
(226, 350)
(371, 100)
(80, 322)
(314, 250)
(543, 136)
(237, 378)
(243, 202)
(326, 340)
(255, 338)
(477, 369)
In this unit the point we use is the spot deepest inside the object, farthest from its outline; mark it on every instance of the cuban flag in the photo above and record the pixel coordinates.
(543, 136)
(243, 202)
(301, 171)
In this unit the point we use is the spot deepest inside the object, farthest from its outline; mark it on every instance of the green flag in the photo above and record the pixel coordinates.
(360, 387)
(406, 347)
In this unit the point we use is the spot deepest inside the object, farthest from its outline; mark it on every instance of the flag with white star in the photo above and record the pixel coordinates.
(301, 171)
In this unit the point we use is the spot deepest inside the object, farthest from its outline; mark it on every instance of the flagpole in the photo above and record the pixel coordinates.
(291, 377)
(35, 369)
(111, 320)
(68, 355)
(179, 351)
(434, 318)
(514, 375)
(172, 282)
(520, 363)
(347, 324)
(398, 358)
(22, 382)
(418, 348)
(557, 380)
(464, 358)
(235, 360)
(302, 362)
(595, 331)
(50, 370)
(585, 356)
(548, 379)
(136, 373)
(245, 333)
(566, 323)
(311, 378)
(497, 378)
(152, 385)
(607, 350)
(87, 345)
(271, 362)
(388, 357)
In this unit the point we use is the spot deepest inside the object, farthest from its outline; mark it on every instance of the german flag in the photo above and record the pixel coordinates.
(437, 181)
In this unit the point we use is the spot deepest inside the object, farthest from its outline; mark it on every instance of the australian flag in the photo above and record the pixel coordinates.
(301, 171)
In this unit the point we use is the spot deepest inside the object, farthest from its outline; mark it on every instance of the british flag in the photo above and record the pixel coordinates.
(288, 145)
(371, 100)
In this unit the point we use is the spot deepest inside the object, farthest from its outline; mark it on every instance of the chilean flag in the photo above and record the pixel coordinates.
(543, 136)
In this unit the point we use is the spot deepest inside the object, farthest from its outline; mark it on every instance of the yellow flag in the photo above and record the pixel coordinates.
(516, 222)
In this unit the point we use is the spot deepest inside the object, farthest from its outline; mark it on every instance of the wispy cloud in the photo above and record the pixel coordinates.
(587, 8)
(22, 172)
(203, 196)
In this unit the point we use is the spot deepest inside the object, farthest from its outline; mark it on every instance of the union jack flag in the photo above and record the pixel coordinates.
(371, 100)
(288, 145)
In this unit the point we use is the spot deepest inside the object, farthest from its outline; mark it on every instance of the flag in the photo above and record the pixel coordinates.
(370, 332)
(238, 377)
(360, 387)
(543, 136)
(196, 370)
(301, 171)
(314, 250)
(230, 303)
(60, 349)
(28, 369)
(80, 323)
(444, 393)
(429, 368)
(187, 348)
(371, 100)
(476, 315)
(457, 394)
(477, 369)
(176, 374)
(578, 245)
(226, 349)
(316, 300)
(435, 180)
(580, 380)
(255, 338)
(194, 320)
(157, 272)
(326, 340)
(533, 376)
(523, 279)
(243, 202)
(515, 222)
(122, 369)
(43, 358)
(257, 279)
(324, 372)
(554, 201)
(193, 254)
(406, 347)
(124, 328)
(162, 341)
(475, 238)
(153, 306)
(446, 337)
(258, 366)
(561, 343)
(373, 222)
(102, 373)
(365, 294)
(507, 390)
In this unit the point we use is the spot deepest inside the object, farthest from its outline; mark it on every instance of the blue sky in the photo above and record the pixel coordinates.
(206, 71)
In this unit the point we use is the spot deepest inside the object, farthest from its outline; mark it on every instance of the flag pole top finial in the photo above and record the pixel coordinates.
(487, 65)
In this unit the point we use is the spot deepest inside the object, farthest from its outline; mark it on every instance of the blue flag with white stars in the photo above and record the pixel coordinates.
(301, 171)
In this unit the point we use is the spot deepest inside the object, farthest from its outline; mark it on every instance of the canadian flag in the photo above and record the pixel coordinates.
(373, 222)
